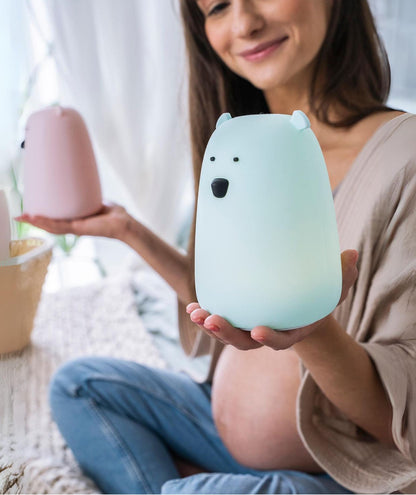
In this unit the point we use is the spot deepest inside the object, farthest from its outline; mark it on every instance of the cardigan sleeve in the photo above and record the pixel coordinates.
(392, 340)
(396, 366)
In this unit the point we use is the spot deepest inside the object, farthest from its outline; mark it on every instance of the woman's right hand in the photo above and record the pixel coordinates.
(110, 221)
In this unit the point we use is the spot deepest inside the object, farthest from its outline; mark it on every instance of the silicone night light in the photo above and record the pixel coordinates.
(266, 247)
(60, 173)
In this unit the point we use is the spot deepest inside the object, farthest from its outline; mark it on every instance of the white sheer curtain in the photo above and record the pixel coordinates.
(15, 62)
(121, 64)
(396, 21)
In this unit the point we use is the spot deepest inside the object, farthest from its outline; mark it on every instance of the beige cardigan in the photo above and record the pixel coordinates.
(376, 214)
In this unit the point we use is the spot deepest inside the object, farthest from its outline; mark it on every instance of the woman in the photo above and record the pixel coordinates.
(321, 409)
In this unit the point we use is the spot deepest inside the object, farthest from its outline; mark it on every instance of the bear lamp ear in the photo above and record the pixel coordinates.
(299, 120)
(223, 118)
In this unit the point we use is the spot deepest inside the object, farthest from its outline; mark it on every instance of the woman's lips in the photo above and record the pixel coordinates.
(263, 50)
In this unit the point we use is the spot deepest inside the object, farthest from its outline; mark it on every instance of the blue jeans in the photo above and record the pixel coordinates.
(124, 423)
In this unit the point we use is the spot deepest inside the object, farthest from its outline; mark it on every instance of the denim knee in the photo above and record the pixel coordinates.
(68, 379)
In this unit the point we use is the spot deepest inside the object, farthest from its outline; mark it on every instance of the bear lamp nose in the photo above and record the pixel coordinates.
(219, 187)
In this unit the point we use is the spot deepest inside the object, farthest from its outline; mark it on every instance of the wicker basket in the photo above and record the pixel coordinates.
(21, 280)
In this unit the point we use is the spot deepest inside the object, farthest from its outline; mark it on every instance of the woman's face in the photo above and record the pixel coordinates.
(271, 43)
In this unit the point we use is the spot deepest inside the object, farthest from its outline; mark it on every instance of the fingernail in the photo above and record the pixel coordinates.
(198, 321)
(212, 328)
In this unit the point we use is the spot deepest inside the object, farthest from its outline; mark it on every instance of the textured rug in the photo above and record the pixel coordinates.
(100, 319)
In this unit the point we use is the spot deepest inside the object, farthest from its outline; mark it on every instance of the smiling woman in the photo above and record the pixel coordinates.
(261, 56)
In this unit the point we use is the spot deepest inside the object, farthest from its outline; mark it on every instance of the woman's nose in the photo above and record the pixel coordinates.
(247, 19)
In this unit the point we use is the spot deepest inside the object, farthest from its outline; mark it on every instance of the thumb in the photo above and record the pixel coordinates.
(349, 260)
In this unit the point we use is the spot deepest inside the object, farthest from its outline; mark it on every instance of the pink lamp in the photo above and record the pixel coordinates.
(60, 173)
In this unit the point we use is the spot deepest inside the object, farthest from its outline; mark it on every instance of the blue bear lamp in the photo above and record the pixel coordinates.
(266, 246)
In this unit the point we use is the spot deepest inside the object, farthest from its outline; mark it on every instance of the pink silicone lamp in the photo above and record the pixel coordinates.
(60, 173)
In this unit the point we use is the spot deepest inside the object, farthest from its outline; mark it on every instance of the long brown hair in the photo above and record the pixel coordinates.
(352, 63)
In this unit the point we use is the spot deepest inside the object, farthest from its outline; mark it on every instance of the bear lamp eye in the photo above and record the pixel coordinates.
(212, 158)
(236, 159)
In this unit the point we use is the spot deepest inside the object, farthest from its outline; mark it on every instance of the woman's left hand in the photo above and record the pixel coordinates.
(218, 327)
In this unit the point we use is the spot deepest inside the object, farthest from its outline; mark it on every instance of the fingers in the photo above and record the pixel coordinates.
(222, 330)
(198, 316)
(229, 334)
(58, 226)
(191, 306)
(48, 224)
(219, 328)
(280, 340)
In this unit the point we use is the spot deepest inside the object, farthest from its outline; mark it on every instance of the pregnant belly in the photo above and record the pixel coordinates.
(253, 403)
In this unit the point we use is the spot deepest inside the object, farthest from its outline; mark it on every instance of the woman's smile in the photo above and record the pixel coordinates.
(262, 50)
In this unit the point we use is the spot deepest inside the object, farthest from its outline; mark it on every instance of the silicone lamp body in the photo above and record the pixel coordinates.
(266, 247)
(5, 232)
(60, 173)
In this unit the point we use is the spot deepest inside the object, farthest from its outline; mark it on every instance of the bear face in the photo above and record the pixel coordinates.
(266, 231)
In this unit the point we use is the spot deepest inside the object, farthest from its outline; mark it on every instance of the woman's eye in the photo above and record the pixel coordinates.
(217, 8)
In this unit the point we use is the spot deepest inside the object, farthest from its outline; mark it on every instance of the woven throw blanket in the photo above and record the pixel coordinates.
(100, 319)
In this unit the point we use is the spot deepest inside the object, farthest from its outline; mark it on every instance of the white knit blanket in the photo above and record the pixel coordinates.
(100, 319)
